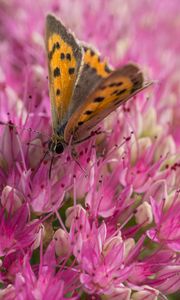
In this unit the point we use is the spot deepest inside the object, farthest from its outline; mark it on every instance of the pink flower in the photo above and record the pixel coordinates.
(17, 232)
(167, 230)
(100, 259)
(39, 284)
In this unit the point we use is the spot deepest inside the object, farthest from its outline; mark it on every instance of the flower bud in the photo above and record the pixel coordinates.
(62, 247)
(144, 214)
(129, 245)
(39, 236)
(116, 240)
(11, 199)
(35, 152)
(70, 213)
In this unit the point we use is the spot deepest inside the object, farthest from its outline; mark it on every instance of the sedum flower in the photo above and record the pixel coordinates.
(101, 259)
(17, 232)
(166, 229)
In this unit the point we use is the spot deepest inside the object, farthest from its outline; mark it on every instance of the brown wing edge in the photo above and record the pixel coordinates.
(53, 25)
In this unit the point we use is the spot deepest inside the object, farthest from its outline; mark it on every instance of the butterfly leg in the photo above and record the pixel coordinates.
(74, 153)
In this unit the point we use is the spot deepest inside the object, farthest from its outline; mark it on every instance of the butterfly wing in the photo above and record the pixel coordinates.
(114, 90)
(65, 57)
(94, 69)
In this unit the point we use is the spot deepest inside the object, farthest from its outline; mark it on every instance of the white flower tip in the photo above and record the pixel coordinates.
(62, 246)
(114, 241)
(40, 235)
(35, 152)
(144, 214)
(70, 213)
(129, 245)
(11, 199)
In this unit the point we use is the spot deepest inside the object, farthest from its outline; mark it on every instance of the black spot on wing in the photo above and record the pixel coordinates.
(114, 92)
(118, 92)
(85, 48)
(121, 92)
(88, 112)
(71, 71)
(68, 56)
(62, 56)
(92, 52)
(112, 84)
(119, 83)
(58, 92)
(55, 46)
(99, 99)
(80, 123)
(103, 87)
(115, 84)
(57, 72)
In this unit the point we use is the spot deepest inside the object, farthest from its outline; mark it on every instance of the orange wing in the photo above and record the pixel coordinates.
(93, 60)
(114, 90)
(64, 62)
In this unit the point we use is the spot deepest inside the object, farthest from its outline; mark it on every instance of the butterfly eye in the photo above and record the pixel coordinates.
(55, 147)
(59, 148)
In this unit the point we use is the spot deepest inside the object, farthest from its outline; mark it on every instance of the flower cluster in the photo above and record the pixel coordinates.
(106, 224)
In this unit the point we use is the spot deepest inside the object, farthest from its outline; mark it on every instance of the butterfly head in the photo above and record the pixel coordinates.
(56, 145)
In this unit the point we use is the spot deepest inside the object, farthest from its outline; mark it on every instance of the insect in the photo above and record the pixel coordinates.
(83, 88)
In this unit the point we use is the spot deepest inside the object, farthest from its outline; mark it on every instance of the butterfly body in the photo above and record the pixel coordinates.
(83, 88)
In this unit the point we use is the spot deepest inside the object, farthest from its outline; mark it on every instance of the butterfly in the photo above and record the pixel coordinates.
(83, 88)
